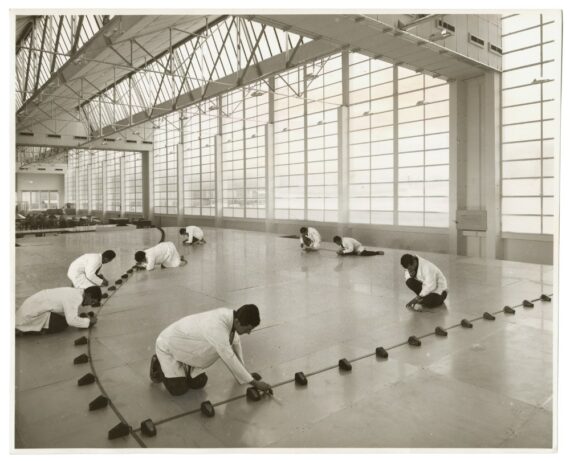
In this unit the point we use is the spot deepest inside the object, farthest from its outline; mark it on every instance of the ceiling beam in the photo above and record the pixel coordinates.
(278, 63)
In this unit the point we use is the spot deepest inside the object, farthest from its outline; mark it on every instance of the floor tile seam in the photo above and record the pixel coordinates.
(515, 432)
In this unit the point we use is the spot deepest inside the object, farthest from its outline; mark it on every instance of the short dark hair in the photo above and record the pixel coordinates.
(182, 230)
(248, 314)
(109, 255)
(140, 256)
(337, 239)
(303, 230)
(94, 293)
(407, 260)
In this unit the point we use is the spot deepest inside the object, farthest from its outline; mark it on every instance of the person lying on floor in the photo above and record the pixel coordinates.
(53, 310)
(84, 271)
(193, 235)
(310, 238)
(164, 254)
(426, 280)
(350, 246)
(190, 345)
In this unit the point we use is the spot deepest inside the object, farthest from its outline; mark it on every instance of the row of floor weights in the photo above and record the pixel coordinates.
(253, 394)
(148, 427)
(121, 429)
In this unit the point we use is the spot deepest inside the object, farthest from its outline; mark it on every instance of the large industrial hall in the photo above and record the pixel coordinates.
(275, 231)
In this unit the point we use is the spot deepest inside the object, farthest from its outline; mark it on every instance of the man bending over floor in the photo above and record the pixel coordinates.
(425, 280)
(164, 253)
(310, 238)
(51, 311)
(193, 235)
(192, 344)
(84, 271)
(350, 246)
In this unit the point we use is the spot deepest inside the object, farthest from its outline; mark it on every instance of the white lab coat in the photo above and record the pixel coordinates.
(350, 245)
(164, 253)
(314, 235)
(83, 271)
(198, 341)
(35, 312)
(431, 277)
(194, 231)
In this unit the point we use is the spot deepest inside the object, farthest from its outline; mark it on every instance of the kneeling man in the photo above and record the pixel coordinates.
(51, 311)
(426, 280)
(350, 246)
(164, 253)
(193, 235)
(192, 344)
(310, 238)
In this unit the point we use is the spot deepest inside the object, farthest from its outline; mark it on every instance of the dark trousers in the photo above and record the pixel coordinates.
(430, 300)
(362, 253)
(369, 253)
(176, 386)
(57, 323)
(181, 384)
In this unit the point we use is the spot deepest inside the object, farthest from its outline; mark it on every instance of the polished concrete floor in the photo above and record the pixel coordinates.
(489, 386)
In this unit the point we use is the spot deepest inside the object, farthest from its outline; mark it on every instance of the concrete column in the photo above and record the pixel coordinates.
(306, 145)
(89, 187)
(457, 152)
(491, 162)
(343, 170)
(180, 182)
(122, 193)
(147, 207)
(395, 142)
(219, 184)
(76, 185)
(104, 186)
(343, 150)
(270, 160)
(269, 177)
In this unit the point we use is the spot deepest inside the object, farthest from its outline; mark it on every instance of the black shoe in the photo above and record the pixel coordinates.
(156, 375)
(198, 382)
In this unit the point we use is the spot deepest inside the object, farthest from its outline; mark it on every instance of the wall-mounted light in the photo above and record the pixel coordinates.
(440, 35)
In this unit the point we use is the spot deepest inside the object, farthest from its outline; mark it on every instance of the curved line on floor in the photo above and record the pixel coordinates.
(132, 431)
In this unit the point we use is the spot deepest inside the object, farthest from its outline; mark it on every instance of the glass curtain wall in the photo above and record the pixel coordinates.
(165, 161)
(200, 130)
(398, 137)
(323, 80)
(423, 150)
(530, 95)
(100, 164)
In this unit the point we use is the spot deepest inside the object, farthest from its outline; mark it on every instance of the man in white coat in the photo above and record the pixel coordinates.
(53, 310)
(350, 246)
(426, 280)
(310, 238)
(193, 235)
(164, 254)
(192, 344)
(84, 271)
